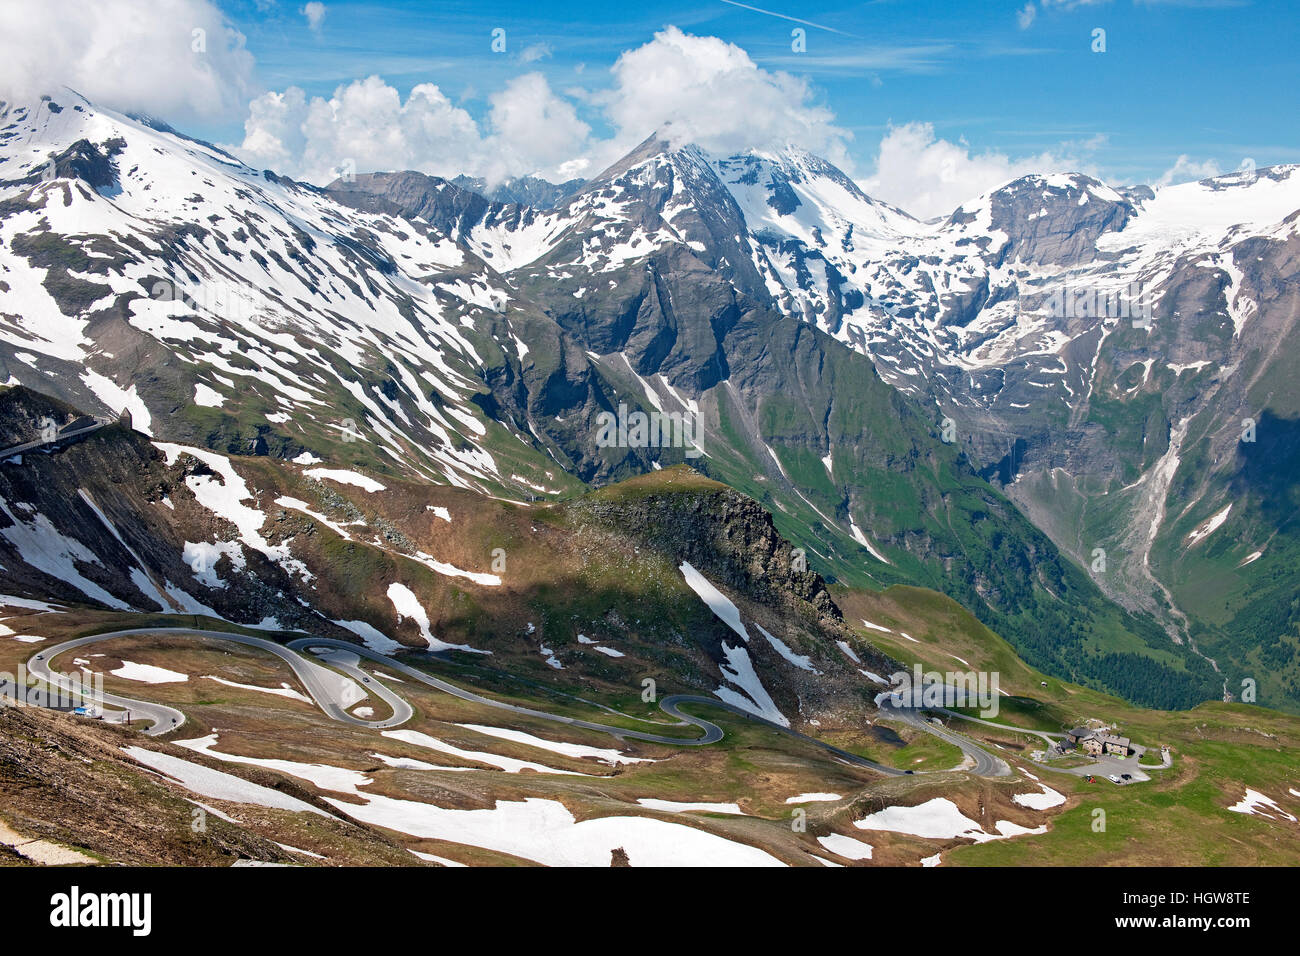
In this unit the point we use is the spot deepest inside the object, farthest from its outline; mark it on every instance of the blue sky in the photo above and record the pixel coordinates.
(1211, 80)
(926, 105)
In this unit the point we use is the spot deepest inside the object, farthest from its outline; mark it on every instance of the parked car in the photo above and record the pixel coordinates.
(1113, 778)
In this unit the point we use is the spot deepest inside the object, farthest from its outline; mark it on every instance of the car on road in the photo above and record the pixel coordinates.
(1113, 778)
(1126, 776)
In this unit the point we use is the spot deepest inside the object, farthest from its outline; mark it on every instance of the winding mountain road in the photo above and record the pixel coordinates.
(329, 689)
(162, 717)
(986, 764)
(670, 705)
(349, 663)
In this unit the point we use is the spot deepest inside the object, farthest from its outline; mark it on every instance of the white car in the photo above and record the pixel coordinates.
(1113, 778)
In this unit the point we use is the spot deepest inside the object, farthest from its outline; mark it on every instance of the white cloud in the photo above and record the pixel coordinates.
(1069, 5)
(315, 14)
(535, 52)
(696, 89)
(364, 125)
(931, 177)
(714, 95)
(273, 136)
(1026, 15)
(1185, 170)
(367, 126)
(533, 128)
(710, 92)
(179, 58)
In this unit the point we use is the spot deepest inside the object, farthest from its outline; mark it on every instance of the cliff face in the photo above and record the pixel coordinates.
(24, 415)
(726, 535)
(680, 517)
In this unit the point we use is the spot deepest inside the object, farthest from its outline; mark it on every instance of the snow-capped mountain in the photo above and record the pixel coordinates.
(145, 271)
(855, 368)
(1070, 331)
(1083, 340)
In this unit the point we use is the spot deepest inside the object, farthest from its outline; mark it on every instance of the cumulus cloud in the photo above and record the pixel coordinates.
(697, 89)
(365, 126)
(179, 58)
(533, 128)
(1186, 170)
(931, 177)
(694, 89)
(1025, 15)
(714, 95)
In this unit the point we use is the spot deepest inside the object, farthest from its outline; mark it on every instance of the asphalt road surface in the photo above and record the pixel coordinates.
(332, 698)
(1104, 765)
(162, 717)
(322, 684)
(986, 764)
(712, 732)
(348, 662)
(670, 705)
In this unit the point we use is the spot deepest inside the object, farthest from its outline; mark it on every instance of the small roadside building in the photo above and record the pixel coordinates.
(1096, 744)
(1119, 746)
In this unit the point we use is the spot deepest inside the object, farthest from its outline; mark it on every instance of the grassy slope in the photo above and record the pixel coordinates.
(1179, 818)
(939, 524)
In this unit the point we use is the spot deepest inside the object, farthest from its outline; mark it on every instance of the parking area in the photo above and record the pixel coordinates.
(1120, 771)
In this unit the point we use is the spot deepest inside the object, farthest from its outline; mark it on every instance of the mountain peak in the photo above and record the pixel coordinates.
(659, 146)
(1046, 218)
(1050, 187)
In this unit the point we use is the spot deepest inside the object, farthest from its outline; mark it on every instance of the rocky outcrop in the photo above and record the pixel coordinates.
(725, 535)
